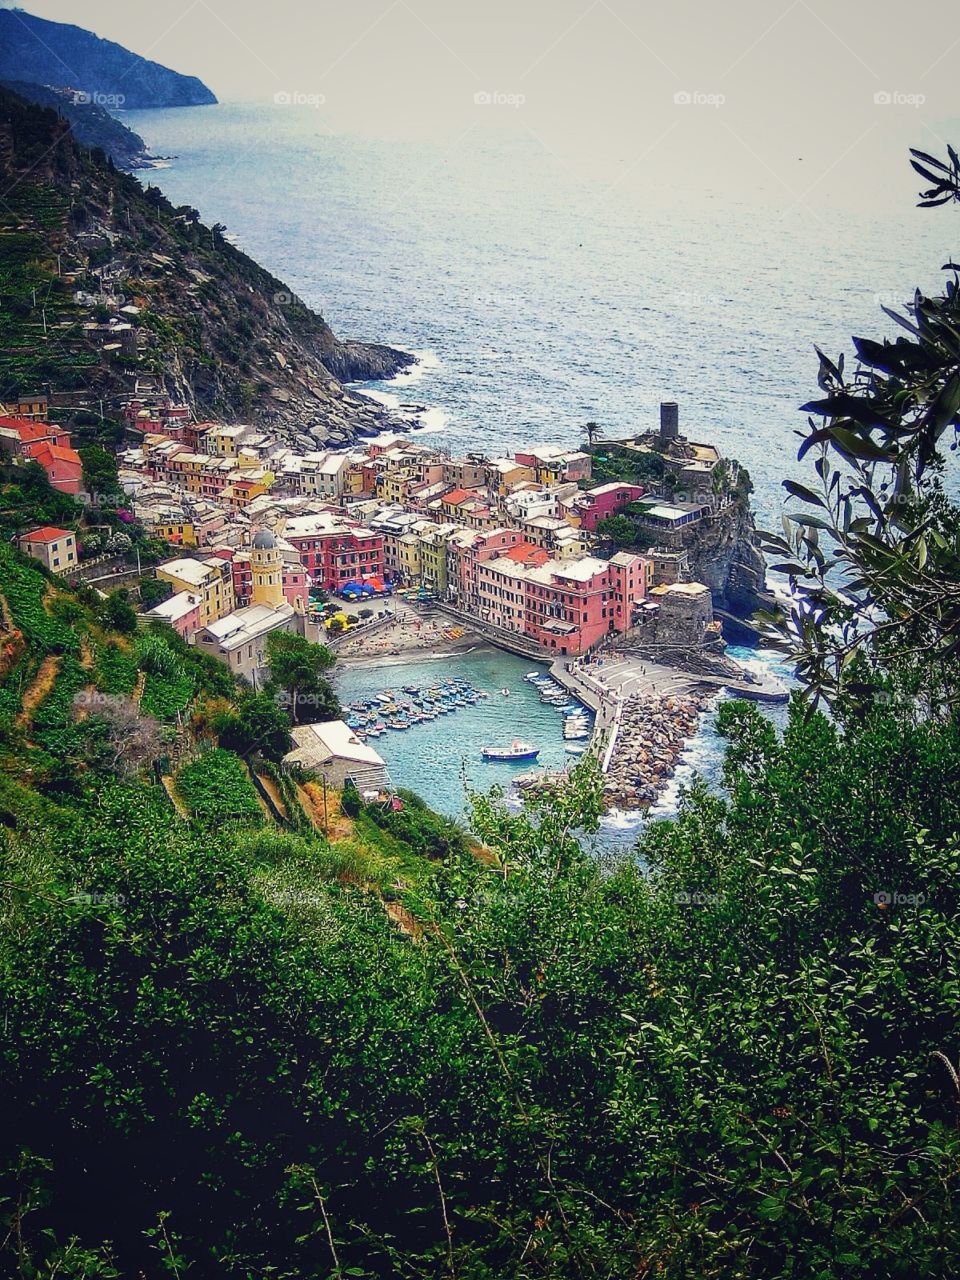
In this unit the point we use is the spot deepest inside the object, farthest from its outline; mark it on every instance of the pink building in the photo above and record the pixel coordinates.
(604, 501)
(563, 607)
(181, 611)
(466, 550)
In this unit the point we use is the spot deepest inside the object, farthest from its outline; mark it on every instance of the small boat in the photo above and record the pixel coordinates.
(517, 750)
(533, 675)
(505, 692)
(410, 688)
(574, 750)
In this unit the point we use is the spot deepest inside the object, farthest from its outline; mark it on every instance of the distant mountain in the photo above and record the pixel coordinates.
(106, 288)
(92, 125)
(37, 51)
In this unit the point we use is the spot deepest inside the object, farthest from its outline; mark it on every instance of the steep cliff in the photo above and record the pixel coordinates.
(724, 554)
(104, 286)
(57, 53)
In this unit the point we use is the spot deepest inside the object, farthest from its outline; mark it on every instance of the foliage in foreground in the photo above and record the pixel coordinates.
(728, 1068)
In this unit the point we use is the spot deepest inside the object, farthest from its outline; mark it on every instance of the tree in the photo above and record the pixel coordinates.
(154, 591)
(259, 724)
(99, 474)
(873, 561)
(117, 613)
(132, 740)
(624, 532)
(297, 677)
(592, 429)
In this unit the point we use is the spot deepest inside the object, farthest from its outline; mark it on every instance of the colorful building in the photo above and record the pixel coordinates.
(604, 501)
(210, 579)
(54, 548)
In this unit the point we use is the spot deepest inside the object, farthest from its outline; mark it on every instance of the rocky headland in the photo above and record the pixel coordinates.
(42, 52)
(135, 291)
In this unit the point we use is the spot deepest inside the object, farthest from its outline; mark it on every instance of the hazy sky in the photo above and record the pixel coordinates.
(801, 101)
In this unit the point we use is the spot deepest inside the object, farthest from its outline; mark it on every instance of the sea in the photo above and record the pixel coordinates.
(534, 306)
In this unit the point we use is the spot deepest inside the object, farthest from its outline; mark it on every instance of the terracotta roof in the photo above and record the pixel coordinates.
(526, 553)
(28, 430)
(45, 453)
(46, 533)
(456, 496)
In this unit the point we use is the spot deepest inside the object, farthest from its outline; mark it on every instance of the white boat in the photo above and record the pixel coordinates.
(516, 751)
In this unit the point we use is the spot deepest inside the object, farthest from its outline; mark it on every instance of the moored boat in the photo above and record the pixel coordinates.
(516, 751)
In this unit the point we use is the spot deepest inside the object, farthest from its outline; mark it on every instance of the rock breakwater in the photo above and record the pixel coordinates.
(654, 729)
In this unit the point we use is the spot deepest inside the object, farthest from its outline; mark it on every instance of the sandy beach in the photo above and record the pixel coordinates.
(406, 636)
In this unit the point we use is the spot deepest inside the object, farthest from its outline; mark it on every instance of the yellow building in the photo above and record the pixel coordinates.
(180, 532)
(393, 486)
(267, 566)
(352, 478)
(433, 557)
(408, 557)
(211, 580)
(225, 441)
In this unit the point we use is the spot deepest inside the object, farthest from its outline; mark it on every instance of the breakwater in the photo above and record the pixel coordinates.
(652, 733)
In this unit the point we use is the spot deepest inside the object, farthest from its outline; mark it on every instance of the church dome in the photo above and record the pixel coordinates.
(264, 540)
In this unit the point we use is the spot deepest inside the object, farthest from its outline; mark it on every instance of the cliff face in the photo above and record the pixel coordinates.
(57, 53)
(724, 554)
(106, 285)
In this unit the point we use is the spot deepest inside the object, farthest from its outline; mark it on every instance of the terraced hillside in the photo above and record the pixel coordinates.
(79, 241)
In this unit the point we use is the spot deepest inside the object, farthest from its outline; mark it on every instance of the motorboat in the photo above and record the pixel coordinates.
(517, 750)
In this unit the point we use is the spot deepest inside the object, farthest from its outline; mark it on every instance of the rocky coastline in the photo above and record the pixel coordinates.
(654, 731)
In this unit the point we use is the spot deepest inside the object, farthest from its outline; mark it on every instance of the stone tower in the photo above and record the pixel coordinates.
(267, 566)
(669, 421)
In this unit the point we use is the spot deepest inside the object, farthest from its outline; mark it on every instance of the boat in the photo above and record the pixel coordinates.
(517, 750)
(574, 750)
(533, 675)
(410, 688)
(505, 692)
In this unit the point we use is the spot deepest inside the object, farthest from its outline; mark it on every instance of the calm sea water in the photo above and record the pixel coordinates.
(441, 758)
(536, 308)
(438, 757)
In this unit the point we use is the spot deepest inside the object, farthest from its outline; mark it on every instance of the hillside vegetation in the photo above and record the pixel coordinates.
(212, 327)
(251, 1030)
(58, 53)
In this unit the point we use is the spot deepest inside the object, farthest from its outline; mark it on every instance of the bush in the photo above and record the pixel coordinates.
(216, 789)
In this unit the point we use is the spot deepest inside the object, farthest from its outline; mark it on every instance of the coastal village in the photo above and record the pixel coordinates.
(392, 545)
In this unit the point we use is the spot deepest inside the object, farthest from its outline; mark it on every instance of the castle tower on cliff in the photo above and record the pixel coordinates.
(267, 566)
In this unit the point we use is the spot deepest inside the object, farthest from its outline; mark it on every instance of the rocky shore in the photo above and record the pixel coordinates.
(654, 729)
